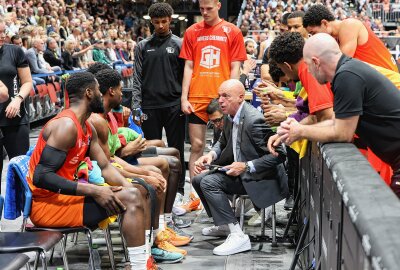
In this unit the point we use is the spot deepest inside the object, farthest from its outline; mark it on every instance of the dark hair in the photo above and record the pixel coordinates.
(108, 78)
(248, 41)
(296, 14)
(275, 72)
(160, 10)
(285, 18)
(96, 67)
(213, 106)
(315, 14)
(287, 47)
(77, 83)
(14, 37)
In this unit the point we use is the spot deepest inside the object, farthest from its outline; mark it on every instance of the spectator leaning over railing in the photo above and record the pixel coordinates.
(371, 109)
(355, 40)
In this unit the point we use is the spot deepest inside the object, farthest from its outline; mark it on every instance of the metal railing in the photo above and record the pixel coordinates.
(351, 216)
(391, 13)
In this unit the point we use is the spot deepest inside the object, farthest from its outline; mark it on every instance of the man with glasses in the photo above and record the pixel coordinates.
(215, 118)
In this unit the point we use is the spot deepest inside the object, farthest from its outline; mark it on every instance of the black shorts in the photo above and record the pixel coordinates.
(194, 119)
(93, 213)
(150, 151)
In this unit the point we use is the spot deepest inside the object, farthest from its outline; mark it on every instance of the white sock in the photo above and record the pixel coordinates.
(235, 228)
(168, 217)
(148, 243)
(153, 236)
(161, 224)
(137, 256)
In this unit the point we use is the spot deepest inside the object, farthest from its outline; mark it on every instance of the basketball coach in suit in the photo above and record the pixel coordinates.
(247, 168)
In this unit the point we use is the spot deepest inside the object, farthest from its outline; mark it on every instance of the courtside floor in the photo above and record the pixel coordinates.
(262, 255)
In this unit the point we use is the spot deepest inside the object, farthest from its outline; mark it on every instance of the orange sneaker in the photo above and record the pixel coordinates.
(172, 238)
(192, 205)
(165, 245)
(176, 239)
(151, 264)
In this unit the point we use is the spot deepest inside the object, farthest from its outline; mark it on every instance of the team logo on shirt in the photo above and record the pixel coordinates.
(170, 50)
(226, 29)
(210, 57)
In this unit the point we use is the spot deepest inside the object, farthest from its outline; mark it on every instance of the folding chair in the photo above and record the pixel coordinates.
(19, 166)
(13, 261)
(262, 237)
(19, 242)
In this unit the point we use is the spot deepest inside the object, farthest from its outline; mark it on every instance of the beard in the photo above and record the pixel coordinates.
(96, 105)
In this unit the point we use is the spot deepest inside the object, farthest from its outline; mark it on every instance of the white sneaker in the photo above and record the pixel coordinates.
(178, 199)
(235, 243)
(222, 230)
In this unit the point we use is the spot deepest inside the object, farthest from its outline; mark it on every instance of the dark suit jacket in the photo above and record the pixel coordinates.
(50, 58)
(268, 184)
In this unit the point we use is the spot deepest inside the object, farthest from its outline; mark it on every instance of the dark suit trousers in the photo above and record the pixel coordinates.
(213, 190)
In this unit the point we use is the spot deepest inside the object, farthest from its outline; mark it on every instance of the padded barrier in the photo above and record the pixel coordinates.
(354, 216)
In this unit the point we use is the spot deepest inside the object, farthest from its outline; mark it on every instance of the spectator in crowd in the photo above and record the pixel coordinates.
(50, 55)
(109, 51)
(86, 59)
(33, 57)
(68, 203)
(69, 63)
(16, 40)
(251, 47)
(98, 53)
(373, 100)
(26, 43)
(247, 168)
(15, 77)
(157, 84)
(131, 49)
(31, 19)
(199, 85)
(120, 54)
(64, 29)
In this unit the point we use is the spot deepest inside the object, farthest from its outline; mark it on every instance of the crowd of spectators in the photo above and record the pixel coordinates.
(72, 34)
(267, 15)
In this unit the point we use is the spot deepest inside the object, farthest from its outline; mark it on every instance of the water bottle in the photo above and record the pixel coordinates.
(96, 258)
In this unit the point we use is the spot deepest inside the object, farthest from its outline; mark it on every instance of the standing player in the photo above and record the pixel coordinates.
(158, 82)
(213, 50)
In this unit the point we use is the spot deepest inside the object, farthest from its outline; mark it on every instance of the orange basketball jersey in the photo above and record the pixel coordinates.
(212, 49)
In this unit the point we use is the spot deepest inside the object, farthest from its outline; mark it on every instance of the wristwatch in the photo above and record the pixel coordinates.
(19, 96)
(247, 167)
